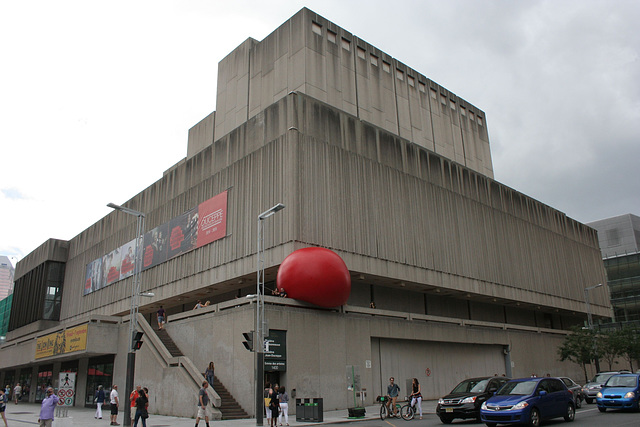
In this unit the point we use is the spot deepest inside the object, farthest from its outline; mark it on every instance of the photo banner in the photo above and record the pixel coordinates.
(195, 228)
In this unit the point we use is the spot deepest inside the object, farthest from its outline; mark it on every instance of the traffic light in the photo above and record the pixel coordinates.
(248, 340)
(137, 340)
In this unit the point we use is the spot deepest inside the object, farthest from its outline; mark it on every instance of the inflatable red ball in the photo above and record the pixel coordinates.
(315, 275)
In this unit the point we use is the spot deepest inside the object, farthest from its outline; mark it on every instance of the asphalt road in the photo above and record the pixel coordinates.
(588, 416)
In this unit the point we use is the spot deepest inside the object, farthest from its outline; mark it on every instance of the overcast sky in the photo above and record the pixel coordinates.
(96, 97)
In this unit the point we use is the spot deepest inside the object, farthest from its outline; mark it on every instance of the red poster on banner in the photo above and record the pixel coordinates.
(212, 219)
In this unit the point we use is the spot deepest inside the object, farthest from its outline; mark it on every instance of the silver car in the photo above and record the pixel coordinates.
(574, 388)
(591, 389)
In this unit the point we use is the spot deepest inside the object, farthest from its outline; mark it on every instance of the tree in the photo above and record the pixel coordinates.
(610, 345)
(578, 347)
(629, 345)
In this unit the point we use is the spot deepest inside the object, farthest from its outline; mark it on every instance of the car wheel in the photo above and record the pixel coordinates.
(588, 400)
(571, 413)
(446, 420)
(534, 418)
(602, 409)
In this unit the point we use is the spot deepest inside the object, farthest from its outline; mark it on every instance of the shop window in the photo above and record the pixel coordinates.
(45, 380)
(99, 372)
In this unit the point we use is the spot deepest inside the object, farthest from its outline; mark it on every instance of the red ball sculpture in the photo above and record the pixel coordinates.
(315, 275)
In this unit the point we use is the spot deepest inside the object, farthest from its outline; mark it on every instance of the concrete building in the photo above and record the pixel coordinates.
(619, 239)
(374, 161)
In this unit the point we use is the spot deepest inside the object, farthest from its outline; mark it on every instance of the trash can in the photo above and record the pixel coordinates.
(309, 410)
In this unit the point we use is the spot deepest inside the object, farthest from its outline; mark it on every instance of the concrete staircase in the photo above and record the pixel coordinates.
(168, 342)
(230, 409)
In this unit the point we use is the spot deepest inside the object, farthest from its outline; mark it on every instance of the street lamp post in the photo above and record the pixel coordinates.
(260, 325)
(590, 322)
(133, 312)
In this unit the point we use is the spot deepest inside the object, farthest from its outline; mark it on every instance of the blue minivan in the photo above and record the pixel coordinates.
(529, 401)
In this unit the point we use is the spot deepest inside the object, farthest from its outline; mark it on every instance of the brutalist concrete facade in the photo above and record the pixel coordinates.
(467, 275)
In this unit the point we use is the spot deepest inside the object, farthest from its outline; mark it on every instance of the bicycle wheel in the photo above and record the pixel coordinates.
(407, 412)
(383, 412)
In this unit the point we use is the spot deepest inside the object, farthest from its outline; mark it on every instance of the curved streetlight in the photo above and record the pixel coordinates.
(590, 323)
(260, 326)
(135, 295)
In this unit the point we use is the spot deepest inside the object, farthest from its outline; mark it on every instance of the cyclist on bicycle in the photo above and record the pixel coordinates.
(416, 395)
(392, 392)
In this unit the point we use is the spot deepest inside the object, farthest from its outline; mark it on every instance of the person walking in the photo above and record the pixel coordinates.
(209, 373)
(268, 393)
(161, 317)
(17, 393)
(283, 397)
(99, 402)
(141, 409)
(115, 402)
(203, 402)
(3, 405)
(392, 391)
(48, 407)
(416, 395)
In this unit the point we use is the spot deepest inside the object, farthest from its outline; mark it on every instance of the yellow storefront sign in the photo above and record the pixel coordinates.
(67, 341)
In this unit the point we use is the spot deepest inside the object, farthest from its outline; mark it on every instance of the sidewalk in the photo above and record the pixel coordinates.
(27, 414)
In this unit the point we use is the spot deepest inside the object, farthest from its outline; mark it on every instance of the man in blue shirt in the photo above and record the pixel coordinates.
(392, 392)
(48, 407)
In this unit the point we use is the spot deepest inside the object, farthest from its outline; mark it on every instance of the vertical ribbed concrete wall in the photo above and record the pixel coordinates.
(311, 55)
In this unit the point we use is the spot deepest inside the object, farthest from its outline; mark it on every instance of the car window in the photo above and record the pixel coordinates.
(567, 381)
(543, 386)
(555, 385)
(519, 388)
(473, 386)
(622, 381)
(601, 378)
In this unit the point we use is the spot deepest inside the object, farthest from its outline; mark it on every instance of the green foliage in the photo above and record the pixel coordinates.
(578, 347)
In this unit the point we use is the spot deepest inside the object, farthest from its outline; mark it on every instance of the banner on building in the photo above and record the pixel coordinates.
(67, 341)
(195, 228)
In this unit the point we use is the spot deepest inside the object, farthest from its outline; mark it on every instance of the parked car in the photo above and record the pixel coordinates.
(621, 391)
(465, 399)
(529, 401)
(591, 389)
(574, 388)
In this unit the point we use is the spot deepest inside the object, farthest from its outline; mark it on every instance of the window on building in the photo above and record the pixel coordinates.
(316, 28)
(346, 44)
(399, 74)
(411, 80)
(463, 111)
(331, 36)
(374, 60)
(386, 66)
(362, 54)
(472, 117)
(480, 121)
(452, 104)
(433, 93)
(99, 372)
(443, 99)
(45, 380)
(422, 87)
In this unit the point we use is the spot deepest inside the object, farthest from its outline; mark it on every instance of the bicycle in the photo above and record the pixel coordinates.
(385, 409)
(408, 411)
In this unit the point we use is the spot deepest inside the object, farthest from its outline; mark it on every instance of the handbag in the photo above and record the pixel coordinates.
(145, 414)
